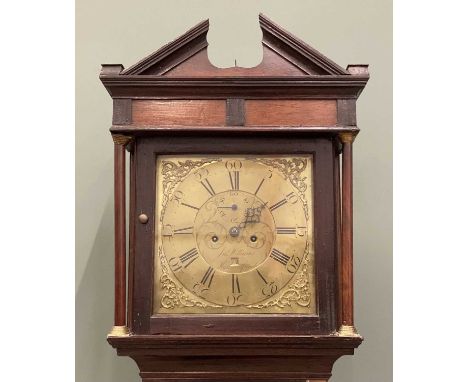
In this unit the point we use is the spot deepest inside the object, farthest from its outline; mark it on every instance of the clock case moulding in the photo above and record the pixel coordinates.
(175, 101)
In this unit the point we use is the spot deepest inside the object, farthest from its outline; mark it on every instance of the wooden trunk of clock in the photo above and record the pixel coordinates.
(240, 213)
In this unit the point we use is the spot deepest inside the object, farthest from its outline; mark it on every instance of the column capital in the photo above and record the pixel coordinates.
(120, 139)
(347, 137)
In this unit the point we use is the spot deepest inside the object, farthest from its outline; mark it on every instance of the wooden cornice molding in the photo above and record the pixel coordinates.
(301, 47)
(358, 69)
(235, 358)
(111, 69)
(290, 48)
(221, 344)
(235, 130)
(139, 86)
(199, 30)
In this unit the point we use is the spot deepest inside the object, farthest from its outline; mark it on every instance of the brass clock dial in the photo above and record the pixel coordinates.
(235, 235)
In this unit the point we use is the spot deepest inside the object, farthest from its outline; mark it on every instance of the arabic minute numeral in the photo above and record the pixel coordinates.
(270, 289)
(175, 264)
(292, 198)
(177, 196)
(167, 230)
(201, 174)
(233, 299)
(301, 231)
(233, 165)
(293, 264)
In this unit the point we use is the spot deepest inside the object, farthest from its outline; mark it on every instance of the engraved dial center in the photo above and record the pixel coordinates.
(234, 231)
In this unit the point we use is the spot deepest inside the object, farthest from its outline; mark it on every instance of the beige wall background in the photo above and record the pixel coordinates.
(116, 31)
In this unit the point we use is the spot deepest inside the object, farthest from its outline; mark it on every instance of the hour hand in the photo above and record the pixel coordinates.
(233, 207)
(252, 215)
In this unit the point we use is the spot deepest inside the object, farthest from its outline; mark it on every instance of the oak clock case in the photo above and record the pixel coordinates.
(189, 244)
(239, 260)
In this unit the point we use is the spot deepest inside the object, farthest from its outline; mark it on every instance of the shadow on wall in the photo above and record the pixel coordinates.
(95, 359)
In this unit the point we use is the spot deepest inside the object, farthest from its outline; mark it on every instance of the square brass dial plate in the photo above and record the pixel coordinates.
(234, 235)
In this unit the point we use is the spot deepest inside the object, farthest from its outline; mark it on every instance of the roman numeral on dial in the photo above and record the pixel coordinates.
(279, 256)
(234, 178)
(183, 231)
(189, 206)
(208, 277)
(262, 277)
(188, 257)
(299, 231)
(208, 187)
(235, 284)
(282, 202)
(291, 197)
(286, 230)
(260, 185)
(269, 176)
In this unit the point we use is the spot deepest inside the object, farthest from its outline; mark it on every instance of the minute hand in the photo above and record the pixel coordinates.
(252, 215)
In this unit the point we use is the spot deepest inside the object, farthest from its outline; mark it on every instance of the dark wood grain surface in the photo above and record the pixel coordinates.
(290, 113)
(304, 131)
(131, 237)
(337, 194)
(179, 112)
(122, 111)
(347, 294)
(119, 236)
(200, 65)
(265, 87)
(235, 112)
(346, 112)
(235, 358)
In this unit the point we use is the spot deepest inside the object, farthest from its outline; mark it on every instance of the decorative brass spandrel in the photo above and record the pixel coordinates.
(234, 235)
(297, 292)
(175, 296)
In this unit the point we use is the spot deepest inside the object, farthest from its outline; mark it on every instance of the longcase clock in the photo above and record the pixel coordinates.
(239, 260)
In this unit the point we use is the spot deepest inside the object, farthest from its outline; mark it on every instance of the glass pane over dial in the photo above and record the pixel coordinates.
(234, 235)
